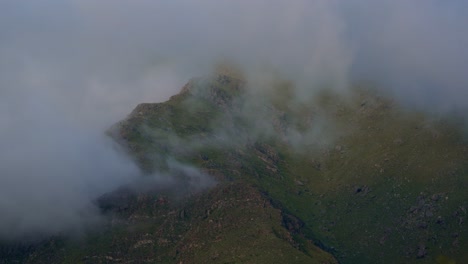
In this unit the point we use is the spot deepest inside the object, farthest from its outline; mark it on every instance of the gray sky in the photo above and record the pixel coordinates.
(69, 69)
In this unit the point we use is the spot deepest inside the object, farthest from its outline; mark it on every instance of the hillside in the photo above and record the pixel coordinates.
(389, 187)
(273, 179)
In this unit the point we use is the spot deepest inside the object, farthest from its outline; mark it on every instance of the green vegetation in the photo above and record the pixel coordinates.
(233, 223)
(390, 189)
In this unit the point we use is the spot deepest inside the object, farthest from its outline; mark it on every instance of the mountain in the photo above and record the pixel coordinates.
(238, 174)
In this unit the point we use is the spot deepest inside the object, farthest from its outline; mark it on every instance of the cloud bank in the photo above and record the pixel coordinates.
(69, 69)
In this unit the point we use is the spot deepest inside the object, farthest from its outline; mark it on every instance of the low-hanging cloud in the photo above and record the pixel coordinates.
(416, 49)
(52, 169)
(70, 69)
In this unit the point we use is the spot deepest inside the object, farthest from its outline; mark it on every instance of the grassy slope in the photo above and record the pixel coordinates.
(392, 190)
(232, 223)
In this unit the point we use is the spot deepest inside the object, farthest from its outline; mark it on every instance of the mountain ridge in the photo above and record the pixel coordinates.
(386, 186)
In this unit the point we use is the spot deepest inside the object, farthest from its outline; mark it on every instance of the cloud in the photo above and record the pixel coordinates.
(51, 170)
(416, 49)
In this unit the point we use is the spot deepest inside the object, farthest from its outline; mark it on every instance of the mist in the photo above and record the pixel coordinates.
(70, 69)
